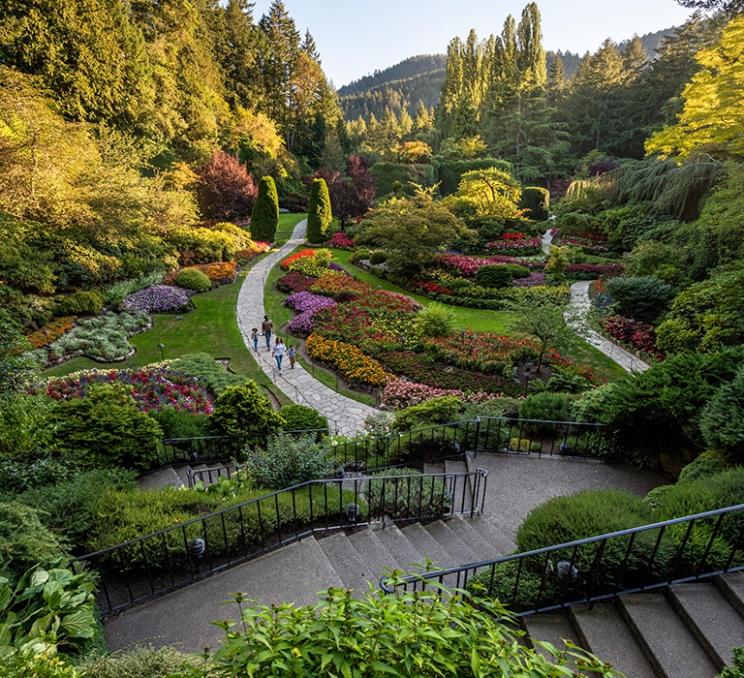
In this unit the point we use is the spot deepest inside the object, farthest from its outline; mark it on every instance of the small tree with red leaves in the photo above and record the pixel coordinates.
(352, 193)
(225, 188)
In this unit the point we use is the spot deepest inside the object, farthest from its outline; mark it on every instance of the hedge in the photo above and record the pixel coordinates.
(448, 172)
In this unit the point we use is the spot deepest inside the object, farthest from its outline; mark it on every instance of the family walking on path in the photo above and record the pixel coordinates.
(280, 348)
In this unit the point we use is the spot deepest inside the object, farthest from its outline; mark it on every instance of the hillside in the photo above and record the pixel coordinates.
(420, 78)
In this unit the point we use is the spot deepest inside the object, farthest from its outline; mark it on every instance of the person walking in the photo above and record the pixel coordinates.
(279, 349)
(292, 354)
(267, 327)
(254, 339)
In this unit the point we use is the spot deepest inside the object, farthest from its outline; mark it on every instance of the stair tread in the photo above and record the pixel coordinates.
(604, 632)
(454, 466)
(732, 587)
(408, 557)
(501, 542)
(460, 553)
(374, 553)
(183, 474)
(721, 626)
(671, 645)
(550, 628)
(482, 549)
(351, 569)
(433, 468)
(426, 545)
(164, 477)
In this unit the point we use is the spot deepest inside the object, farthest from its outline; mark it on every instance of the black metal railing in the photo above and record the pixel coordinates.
(487, 434)
(154, 564)
(211, 474)
(599, 568)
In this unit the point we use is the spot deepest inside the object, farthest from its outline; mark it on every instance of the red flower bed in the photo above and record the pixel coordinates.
(467, 266)
(434, 288)
(594, 269)
(341, 241)
(285, 263)
(641, 336)
(517, 235)
(340, 286)
(295, 281)
(480, 351)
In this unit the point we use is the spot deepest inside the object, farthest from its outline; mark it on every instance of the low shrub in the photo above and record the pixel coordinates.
(547, 406)
(179, 424)
(705, 465)
(302, 418)
(25, 542)
(440, 410)
(639, 297)
(413, 494)
(288, 460)
(536, 202)
(192, 279)
(86, 302)
(19, 475)
(722, 420)
(434, 321)
(518, 444)
(493, 276)
(377, 257)
(243, 411)
(207, 371)
(146, 662)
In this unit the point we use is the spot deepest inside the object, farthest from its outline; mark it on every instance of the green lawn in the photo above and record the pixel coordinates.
(212, 328)
(481, 320)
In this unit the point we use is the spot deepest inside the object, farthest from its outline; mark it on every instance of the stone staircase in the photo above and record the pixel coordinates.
(184, 475)
(686, 631)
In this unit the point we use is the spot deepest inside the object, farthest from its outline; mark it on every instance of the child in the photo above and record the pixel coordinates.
(254, 338)
(292, 356)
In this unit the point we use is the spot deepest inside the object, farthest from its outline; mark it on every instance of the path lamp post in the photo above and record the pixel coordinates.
(162, 351)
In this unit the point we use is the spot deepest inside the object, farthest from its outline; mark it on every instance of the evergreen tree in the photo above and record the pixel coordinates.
(634, 57)
(319, 213)
(265, 217)
(309, 47)
(556, 80)
(238, 53)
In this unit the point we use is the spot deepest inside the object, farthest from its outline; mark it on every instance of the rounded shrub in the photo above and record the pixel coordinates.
(639, 297)
(517, 271)
(193, 279)
(536, 201)
(547, 406)
(243, 411)
(265, 216)
(288, 460)
(302, 418)
(493, 276)
(86, 302)
(707, 464)
(434, 321)
(378, 257)
(319, 213)
(722, 420)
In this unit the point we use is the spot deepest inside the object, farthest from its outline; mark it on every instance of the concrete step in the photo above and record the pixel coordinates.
(732, 587)
(603, 631)
(718, 627)
(346, 561)
(164, 477)
(459, 552)
(433, 468)
(501, 542)
(427, 546)
(183, 474)
(454, 466)
(378, 559)
(667, 642)
(481, 548)
(407, 556)
(550, 628)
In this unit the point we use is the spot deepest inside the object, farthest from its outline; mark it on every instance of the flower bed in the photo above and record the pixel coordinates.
(637, 335)
(589, 244)
(518, 247)
(402, 393)
(307, 261)
(480, 351)
(221, 273)
(296, 256)
(152, 387)
(257, 247)
(340, 286)
(52, 331)
(532, 280)
(351, 362)
(295, 281)
(588, 271)
(158, 299)
(341, 241)
(306, 304)
(467, 266)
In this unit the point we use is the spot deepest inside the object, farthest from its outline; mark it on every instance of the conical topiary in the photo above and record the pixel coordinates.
(265, 217)
(319, 212)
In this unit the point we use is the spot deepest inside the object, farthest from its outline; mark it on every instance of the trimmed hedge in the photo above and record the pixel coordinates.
(193, 279)
(319, 213)
(265, 216)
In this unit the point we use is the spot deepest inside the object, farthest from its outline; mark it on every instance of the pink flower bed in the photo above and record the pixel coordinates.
(341, 241)
(595, 269)
(641, 336)
(520, 246)
(467, 266)
(401, 393)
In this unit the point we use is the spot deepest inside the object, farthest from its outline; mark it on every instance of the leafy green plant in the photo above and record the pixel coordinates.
(30, 664)
(440, 410)
(193, 279)
(400, 635)
(147, 662)
(434, 321)
(243, 411)
(722, 420)
(86, 302)
(639, 297)
(180, 424)
(302, 418)
(209, 372)
(319, 214)
(265, 217)
(19, 475)
(47, 610)
(406, 493)
(547, 406)
(493, 276)
(288, 460)
(706, 464)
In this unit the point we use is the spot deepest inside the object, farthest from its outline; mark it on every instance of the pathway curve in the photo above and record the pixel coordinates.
(298, 385)
(577, 318)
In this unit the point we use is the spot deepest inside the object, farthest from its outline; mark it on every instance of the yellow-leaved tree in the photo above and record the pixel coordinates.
(712, 120)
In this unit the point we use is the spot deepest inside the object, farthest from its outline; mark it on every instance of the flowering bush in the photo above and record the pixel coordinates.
(153, 388)
(295, 281)
(340, 286)
(481, 351)
(516, 235)
(351, 362)
(308, 261)
(341, 241)
(435, 288)
(532, 280)
(468, 266)
(52, 331)
(252, 251)
(639, 335)
(158, 299)
(585, 271)
(520, 247)
(221, 273)
(401, 393)
(292, 258)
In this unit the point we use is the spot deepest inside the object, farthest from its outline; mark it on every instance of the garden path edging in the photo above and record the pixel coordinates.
(344, 414)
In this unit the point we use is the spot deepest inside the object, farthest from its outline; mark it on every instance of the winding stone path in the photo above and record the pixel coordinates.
(577, 318)
(343, 413)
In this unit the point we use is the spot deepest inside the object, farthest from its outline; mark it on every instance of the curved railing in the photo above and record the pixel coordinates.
(135, 571)
(598, 568)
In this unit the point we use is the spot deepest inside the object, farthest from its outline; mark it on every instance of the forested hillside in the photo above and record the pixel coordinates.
(419, 79)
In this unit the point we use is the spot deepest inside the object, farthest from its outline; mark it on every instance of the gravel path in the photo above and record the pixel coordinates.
(343, 413)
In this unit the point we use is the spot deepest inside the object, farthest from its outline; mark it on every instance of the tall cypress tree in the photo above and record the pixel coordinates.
(319, 214)
(265, 217)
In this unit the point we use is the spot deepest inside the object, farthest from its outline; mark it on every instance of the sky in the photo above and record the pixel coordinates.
(355, 37)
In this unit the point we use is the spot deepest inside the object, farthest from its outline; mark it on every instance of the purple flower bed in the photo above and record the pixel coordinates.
(307, 305)
(158, 299)
(532, 280)
(333, 266)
